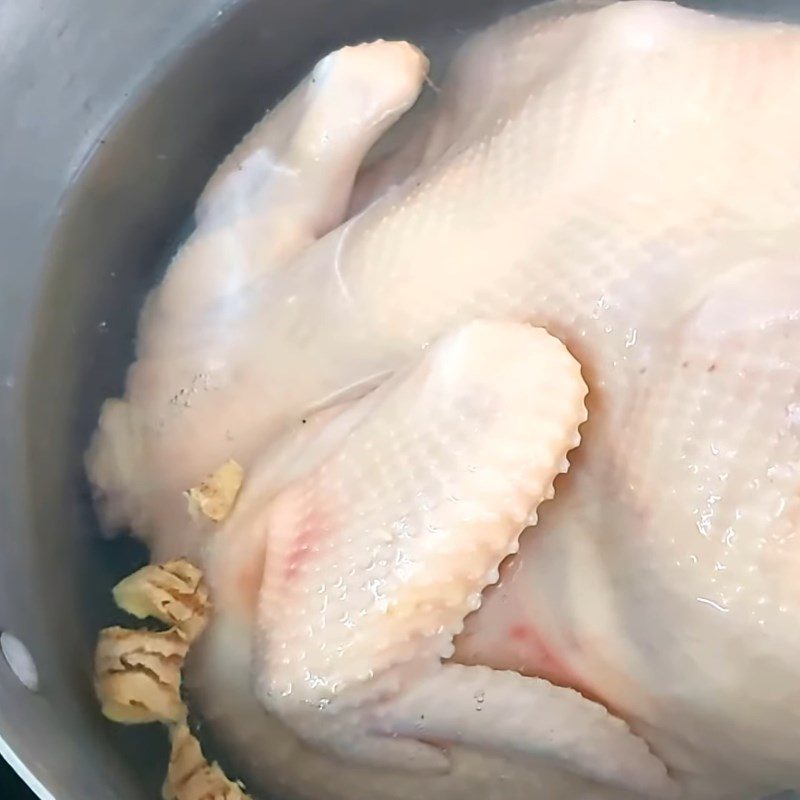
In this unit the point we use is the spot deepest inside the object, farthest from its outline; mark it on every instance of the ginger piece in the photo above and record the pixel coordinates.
(216, 495)
(174, 593)
(138, 675)
(191, 777)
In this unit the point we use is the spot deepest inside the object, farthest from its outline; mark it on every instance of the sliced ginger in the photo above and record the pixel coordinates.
(173, 593)
(216, 495)
(138, 675)
(138, 672)
(191, 777)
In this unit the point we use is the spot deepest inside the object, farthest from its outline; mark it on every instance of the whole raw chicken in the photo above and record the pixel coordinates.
(398, 354)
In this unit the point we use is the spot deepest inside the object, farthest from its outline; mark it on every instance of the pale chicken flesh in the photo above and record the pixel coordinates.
(601, 193)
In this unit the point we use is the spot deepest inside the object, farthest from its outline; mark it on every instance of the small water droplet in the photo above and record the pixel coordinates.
(793, 413)
(716, 606)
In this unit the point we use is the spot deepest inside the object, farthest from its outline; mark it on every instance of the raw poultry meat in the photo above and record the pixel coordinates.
(625, 177)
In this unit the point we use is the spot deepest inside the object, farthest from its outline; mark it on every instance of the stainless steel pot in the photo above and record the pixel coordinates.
(114, 115)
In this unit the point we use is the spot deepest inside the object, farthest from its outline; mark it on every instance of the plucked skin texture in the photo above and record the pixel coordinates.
(625, 177)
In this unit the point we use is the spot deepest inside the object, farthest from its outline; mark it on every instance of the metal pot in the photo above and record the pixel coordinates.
(114, 116)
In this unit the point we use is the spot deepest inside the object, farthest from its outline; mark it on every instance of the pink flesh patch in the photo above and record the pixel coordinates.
(503, 634)
(313, 529)
(536, 657)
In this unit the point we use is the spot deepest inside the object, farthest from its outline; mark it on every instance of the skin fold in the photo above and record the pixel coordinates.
(602, 196)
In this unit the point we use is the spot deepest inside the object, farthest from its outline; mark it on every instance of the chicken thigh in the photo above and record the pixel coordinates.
(625, 176)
